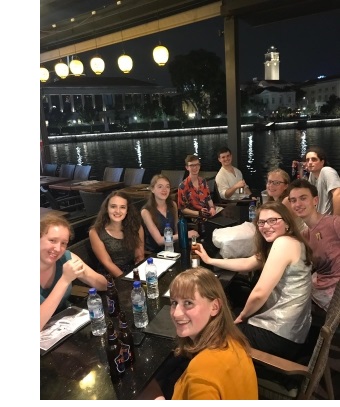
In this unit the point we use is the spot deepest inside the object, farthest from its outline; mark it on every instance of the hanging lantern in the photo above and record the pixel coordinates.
(76, 67)
(44, 74)
(160, 55)
(125, 63)
(97, 65)
(61, 69)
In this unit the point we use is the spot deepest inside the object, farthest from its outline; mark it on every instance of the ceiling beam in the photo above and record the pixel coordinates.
(167, 23)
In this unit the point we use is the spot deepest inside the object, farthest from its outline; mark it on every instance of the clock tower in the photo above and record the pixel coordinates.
(272, 64)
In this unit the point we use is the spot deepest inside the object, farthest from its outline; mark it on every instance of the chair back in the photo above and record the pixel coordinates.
(112, 174)
(82, 172)
(92, 201)
(175, 177)
(83, 249)
(133, 176)
(210, 178)
(50, 170)
(67, 170)
(318, 364)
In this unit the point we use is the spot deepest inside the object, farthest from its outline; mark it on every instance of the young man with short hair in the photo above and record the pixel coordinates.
(229, 179)
(326, 180)
(194, 197)
(323, 236)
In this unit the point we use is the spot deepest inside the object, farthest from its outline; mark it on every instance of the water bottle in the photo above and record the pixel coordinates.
(183, 232)
(168, 238)
(252, 211)
(96, 310)
(151, 279)
(140, 315)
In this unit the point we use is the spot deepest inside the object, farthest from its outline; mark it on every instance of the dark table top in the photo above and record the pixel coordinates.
(46, 180)
(88, 186)
(77, 368)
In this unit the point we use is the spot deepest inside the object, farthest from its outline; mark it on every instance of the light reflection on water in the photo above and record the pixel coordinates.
(261, 151)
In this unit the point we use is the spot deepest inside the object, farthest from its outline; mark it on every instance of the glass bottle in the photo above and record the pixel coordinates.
(125, 336)
(112, 298)
(195, 259)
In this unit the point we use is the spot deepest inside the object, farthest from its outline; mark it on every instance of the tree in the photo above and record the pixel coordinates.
(197, 77)
(332, 106)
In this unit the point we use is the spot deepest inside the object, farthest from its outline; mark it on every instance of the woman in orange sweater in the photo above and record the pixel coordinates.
(220, 367)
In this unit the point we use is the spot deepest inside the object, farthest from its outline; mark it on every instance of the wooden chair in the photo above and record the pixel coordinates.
(133, 176)
(311, 374)
(175, 177)
(92, 201)
(67, 170)
(50, 170)
(82, 172)
(112, 174)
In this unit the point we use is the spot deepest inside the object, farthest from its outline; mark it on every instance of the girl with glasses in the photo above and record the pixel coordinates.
(277, 314)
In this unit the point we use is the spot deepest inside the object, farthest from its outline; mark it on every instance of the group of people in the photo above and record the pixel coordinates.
(297, 262)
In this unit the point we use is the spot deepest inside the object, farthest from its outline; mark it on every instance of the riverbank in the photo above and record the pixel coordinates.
(298, 124)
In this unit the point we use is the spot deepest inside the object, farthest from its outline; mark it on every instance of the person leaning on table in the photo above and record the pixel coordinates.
(59, 267)
(220, 367)
(277, 314)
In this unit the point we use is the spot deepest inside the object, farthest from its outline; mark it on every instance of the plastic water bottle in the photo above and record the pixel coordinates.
(168, 238)
(252, 211)
(151, 279)
(96, 310)
(140, 314)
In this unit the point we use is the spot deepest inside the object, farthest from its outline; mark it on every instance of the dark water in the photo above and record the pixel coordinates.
(261, 151)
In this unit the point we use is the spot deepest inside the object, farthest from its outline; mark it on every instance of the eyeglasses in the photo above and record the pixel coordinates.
(276, 183)
(194, 165)
(270, 221)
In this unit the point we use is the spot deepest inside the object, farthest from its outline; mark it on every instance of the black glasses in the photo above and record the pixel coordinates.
(276, 183)
(270, 221)
(194, 165)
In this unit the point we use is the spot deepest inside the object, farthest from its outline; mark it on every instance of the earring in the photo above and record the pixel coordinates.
(287, 228)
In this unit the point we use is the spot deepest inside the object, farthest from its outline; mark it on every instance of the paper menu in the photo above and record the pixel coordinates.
(161, 264)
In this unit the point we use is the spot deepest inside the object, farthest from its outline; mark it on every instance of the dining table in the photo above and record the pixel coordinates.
(143, 191)
(88, 186)
(78, 369)
(46, 180)
(44, 211)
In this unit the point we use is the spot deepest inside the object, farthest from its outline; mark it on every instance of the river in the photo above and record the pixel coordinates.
(260, 151)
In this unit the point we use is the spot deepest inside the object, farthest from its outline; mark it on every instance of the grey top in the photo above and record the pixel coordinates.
(120, 255)
(328, 180)
(287, 311)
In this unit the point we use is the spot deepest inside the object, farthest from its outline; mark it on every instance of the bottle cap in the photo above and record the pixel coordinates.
(92, 291)
(150, 260)
(136, 284)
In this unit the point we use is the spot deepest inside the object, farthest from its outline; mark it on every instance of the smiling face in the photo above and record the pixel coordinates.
(225, 159)
(302, 202)
(270, 233)
(191, 315)
(193, 167)
(53, 244)
(117, 208)
(276, 185)
(161, 190)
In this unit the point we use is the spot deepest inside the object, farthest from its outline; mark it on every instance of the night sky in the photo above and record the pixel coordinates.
(308, 47)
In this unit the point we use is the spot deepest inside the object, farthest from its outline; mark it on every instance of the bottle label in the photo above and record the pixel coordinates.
(110, 306)
(168, 238)
(97, 312)
(151, 279)
(138, 306)
(119, 362)
(195, 262)
(126, 352)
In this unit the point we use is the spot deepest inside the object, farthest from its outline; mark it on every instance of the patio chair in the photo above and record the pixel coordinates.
(67, 170)
(133, 176)
(82, 172)
(112, 174)
(210, 178)
(92, 201)
(304, 378)
(50, 170)
(175, 177)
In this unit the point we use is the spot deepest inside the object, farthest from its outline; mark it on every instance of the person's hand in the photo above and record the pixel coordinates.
(241, 184)
(73, 269)
(238, 320)
(160, 398)
(192, 233)
(205, 213)
(212, 211)
(202, 253)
